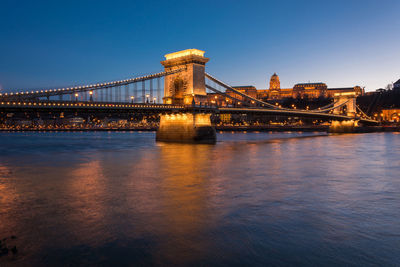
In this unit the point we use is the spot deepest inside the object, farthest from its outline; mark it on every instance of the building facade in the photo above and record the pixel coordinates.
(396, 85)
(391, 115)
(247, 90)
(302, 90)
(275, 92)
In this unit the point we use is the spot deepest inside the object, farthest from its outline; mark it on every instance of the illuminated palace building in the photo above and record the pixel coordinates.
(301, 90)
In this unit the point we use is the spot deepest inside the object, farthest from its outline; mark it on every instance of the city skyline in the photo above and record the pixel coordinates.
(341, 44)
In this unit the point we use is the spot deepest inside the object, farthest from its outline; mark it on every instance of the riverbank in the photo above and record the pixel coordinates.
(375, 129)
(149, 129)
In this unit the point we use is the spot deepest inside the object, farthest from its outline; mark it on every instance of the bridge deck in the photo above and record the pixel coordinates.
(60, 105)
(294, 113)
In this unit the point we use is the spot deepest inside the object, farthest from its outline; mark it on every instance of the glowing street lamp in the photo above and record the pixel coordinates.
(147, 98)
(91, 96)
(154, 99)
(76, 97)
(132, 99)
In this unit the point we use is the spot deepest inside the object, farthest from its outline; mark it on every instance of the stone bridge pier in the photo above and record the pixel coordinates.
(186, 87)
(346, 103)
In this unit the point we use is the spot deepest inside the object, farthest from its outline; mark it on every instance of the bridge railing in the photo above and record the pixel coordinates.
(86, 105)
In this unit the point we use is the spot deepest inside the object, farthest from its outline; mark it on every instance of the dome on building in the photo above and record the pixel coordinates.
(274, 83)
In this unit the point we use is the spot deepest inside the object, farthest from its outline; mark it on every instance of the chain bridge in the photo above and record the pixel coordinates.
(181, 87)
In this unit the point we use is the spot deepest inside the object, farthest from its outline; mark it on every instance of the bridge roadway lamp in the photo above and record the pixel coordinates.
(147, 98)
(132, 99)
(91, 95)
(154, 100)
(76, 96)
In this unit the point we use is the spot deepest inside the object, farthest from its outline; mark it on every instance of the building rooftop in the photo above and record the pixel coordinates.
(243, 86)
(342, 88)
(302, 84)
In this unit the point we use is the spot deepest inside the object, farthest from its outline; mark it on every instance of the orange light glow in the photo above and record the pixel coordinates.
(183, 53)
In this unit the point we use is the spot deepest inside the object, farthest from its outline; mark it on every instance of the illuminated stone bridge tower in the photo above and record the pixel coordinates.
(183, 86)
(348, 100)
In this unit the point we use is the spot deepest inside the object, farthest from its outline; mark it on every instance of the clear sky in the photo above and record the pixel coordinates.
(60, 43)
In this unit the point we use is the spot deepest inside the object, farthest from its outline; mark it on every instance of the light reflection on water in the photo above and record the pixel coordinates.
(251, 199)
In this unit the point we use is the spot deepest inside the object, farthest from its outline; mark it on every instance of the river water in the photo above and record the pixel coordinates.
(280, 199)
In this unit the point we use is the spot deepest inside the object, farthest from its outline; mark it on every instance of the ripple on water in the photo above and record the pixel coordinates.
(102, 198)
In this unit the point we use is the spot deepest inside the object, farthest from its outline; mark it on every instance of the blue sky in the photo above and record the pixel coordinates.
(60, 43)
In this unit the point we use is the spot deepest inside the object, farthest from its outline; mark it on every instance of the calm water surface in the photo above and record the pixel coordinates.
(120, 198)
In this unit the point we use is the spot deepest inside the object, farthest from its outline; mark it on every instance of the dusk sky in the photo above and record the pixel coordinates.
(60, 43)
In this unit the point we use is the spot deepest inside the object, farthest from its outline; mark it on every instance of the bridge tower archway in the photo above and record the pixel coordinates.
(345, 102)
(188, 84)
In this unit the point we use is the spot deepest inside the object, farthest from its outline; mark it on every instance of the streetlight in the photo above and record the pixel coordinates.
(91, 96)
(147, 98)
(154, 100)
(76, 97)
(132, 99)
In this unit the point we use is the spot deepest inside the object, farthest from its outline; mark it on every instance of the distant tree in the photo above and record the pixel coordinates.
(389, 86)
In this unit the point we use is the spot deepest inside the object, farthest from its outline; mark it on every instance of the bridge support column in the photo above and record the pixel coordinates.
(158, 91)
(135, 93)
(346, 101)
(126, 96)
(189, 83)
(151, 91)
(186, 127)
(143, 92)
(343, 126)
